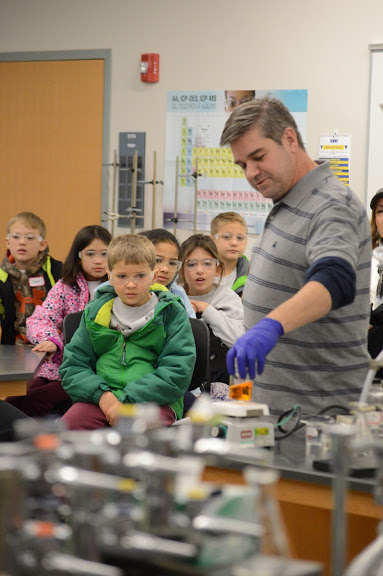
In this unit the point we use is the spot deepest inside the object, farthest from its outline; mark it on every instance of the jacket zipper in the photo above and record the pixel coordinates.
(123, 354)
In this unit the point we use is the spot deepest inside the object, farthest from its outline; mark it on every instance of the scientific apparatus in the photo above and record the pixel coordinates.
(244, 423)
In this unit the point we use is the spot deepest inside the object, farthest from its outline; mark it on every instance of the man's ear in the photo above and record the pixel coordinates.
(289, 137)
(155, 275)
(109, 278)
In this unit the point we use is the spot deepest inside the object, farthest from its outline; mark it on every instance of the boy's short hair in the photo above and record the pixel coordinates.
(131, 249)
(158, 235)
(224, 218)
(30, 220)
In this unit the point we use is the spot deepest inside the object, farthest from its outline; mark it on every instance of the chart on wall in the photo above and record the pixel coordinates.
(200, 177)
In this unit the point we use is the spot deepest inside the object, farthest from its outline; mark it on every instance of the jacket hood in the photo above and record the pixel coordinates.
(9, 261)
(106, 294)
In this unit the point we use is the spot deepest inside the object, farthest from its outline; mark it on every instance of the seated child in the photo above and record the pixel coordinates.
(229, 231)
(167, 263)
(218, 305)
(83, 270)
(134, 344)
(27, 273)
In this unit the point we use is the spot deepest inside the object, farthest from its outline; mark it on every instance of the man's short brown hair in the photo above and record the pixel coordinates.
(131, 249)
(30, 220)
(270, 114)
(225, 218)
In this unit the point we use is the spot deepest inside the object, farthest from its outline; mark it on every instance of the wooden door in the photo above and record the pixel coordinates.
(51, 134)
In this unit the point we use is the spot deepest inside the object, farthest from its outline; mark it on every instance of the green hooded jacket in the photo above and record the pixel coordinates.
(154, 364)
(242, 270)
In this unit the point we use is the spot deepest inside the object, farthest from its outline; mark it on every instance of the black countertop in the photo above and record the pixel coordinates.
(288, 456)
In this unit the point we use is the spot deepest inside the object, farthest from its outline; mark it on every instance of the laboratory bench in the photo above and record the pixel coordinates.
(18, 364)
(306, 500)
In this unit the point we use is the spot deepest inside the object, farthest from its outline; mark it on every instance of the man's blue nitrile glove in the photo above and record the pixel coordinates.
(253, 347)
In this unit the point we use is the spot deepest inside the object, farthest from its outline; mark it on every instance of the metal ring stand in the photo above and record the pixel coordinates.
(133, 210)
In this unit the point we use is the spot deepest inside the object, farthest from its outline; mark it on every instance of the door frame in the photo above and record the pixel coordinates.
(97, 54)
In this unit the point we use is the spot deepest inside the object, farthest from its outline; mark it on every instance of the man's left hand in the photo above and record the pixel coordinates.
(253, 347)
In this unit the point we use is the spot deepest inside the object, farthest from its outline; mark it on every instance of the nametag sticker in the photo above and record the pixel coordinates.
(36, 281)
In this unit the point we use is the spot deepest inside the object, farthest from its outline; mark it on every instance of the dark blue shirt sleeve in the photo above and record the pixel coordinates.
(338, 276)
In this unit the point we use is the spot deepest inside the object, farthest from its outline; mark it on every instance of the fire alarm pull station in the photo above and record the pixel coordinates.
(150, 67)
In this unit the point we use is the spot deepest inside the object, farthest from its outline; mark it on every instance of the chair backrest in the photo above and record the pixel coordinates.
(70, 324)
(218, 352)
(201, 374)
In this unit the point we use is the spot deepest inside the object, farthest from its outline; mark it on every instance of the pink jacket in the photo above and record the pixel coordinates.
(47, 319)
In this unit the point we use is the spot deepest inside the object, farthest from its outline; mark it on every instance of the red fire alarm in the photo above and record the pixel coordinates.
(150, 67)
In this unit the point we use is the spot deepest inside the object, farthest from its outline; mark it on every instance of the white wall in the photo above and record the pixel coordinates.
(209, 44)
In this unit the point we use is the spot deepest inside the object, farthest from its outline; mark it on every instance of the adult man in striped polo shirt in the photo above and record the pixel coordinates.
(307, 293)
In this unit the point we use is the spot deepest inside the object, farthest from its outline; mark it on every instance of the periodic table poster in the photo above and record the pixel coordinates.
(194, 123)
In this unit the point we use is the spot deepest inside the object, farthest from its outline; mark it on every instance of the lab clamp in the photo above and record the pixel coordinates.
(195, 174)
(133, 211)
(133, 500)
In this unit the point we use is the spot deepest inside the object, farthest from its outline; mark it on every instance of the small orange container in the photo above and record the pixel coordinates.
(241, 391)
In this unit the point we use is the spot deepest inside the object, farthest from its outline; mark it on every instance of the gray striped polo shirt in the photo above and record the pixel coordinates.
(325, 362)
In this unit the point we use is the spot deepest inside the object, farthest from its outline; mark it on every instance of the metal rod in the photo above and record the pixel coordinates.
(154, 190)
(134, 192)
(176, 196)
(149, 182)
(114, 207)
(339, 490)
(195, 196)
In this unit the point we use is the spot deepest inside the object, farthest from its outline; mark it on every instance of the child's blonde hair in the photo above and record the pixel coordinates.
(30, 220)
(198, 241)
(224, 218)
(131, 249)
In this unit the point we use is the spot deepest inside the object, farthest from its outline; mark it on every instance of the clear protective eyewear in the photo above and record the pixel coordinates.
(173, 265)
(206, 263)
(231, 103)
(228, 236)
(28, 237)
(138, 279)
(91, 254)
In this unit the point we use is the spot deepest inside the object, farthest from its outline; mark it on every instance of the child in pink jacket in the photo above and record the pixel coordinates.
(83, 270)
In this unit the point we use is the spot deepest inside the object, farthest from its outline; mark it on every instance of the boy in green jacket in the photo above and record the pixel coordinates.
(134, 344)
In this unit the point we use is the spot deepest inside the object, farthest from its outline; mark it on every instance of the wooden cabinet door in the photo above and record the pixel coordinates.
(51, 134)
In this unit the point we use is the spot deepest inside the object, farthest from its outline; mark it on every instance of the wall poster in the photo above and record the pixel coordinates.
(194, 123)
(336, 149)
